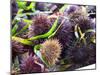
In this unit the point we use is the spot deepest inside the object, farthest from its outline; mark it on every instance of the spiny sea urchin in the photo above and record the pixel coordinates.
(41, 24)
(18, 48)
(66, 33)
(31, 64)
(80, 17)
(70, 9)
(75, 11)
(80, 54)
(85, 23)
(50, 50)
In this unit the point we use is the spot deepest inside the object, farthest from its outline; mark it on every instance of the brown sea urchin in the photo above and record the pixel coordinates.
(51, 50)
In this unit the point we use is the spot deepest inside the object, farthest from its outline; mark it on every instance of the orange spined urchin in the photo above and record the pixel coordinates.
(50, 50)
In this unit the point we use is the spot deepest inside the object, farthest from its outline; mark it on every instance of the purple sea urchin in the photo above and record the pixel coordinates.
(51, 50)
(80, 54)
(31, 64)
(41, 24)
(71, 9)
(18, 48)
(84, 23)
(80, 17)
(75, 11)
(66, 33)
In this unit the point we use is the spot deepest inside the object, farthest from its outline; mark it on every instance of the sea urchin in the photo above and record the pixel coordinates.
(41, 24)
(50, 50)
